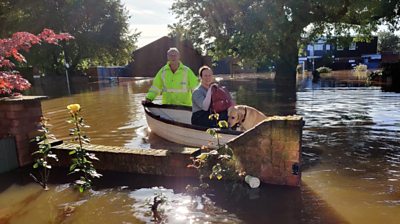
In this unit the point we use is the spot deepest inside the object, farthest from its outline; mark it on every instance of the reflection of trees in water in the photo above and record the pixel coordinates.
(334, 79)
(55, 86)
(346, 128)
(264, 95)
(357, 151)
(113, 113)
(261, 205)
(139, 86)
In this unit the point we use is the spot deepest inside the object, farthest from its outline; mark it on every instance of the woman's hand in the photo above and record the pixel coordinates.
(214, 84)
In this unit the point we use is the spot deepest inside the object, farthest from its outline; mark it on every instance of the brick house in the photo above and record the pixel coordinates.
(149, 59)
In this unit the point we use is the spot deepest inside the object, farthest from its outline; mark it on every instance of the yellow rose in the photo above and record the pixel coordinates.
(202, 156)
(73, 108)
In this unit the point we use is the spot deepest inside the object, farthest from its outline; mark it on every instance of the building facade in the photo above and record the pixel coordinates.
(148, 60)
(339, 57)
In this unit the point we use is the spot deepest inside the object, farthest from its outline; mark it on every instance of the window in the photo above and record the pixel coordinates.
(352, 46)
(328, 47)
(318, 47)
(339, 47)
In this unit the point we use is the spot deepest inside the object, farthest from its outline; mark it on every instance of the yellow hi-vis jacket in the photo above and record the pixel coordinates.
(176, 88)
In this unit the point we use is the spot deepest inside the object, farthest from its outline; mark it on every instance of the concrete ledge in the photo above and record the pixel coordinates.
(22, 98)
(143, 161)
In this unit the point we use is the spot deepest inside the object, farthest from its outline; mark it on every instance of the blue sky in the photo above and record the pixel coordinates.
(150, 17)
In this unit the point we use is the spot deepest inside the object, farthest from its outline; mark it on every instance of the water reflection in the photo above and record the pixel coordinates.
(263, 94)
(223, 202)
(351, 150)
(115, 114)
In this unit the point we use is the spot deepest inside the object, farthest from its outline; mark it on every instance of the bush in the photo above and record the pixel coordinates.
(324, 70)
(375, 75)
(361, 68)
(10, 80)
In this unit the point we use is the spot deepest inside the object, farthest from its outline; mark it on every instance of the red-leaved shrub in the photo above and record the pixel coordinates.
(11, 80)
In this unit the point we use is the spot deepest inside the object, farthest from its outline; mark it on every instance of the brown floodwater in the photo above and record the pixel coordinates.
(351, 160)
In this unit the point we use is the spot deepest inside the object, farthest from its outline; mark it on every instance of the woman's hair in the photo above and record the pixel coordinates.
(202, 68)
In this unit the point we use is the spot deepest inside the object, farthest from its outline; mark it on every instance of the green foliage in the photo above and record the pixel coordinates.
(82, 160)
(259, 31)
(388, 41)
(43, 153)
(324, 70)
(217, 163)
(176, 30)
(375, 75)
(100, 28)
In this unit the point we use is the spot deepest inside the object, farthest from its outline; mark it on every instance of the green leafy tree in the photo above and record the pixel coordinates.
(388, 41)
(260, 30)
(177, 30)
(100, 28)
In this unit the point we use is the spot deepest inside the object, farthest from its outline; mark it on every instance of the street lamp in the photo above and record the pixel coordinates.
(66, 73)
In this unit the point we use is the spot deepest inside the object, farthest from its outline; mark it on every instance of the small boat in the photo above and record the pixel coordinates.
(173, 123)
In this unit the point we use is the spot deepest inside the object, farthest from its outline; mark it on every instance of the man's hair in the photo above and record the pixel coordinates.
(173, 49)
(202, 68)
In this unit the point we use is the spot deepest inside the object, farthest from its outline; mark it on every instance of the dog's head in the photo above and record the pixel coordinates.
(235, 115)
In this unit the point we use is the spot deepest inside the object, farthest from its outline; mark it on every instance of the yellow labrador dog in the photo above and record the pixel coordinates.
(244, 116)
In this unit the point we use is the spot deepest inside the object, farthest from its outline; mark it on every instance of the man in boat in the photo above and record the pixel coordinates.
(174, 81)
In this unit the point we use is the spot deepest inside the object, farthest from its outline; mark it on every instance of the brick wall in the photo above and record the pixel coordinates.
(271, 150)
(144, 161)
(19, 118)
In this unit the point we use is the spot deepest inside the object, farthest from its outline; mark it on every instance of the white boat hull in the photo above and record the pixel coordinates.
(174, 125)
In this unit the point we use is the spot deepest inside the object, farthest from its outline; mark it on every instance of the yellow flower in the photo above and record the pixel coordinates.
(73, 108)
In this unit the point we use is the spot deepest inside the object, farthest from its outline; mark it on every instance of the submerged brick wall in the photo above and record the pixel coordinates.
(19, 118)
(271, 150)
(144, 161)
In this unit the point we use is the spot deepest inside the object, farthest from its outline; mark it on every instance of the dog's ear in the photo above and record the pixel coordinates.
(230, 109)
(240, 113)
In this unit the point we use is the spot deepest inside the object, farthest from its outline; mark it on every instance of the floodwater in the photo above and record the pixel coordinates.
(351, 160)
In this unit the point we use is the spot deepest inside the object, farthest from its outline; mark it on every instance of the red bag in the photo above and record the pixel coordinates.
(221, 100)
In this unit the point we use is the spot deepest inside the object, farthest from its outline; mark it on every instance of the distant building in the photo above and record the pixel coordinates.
(340, 57)
(390, 57)
(99, 73)
(229, 65)
(148, 60)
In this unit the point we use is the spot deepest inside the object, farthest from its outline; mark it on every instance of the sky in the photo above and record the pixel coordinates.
(150, 17)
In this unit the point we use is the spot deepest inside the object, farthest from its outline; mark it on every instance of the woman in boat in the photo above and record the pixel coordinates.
(201, 100)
